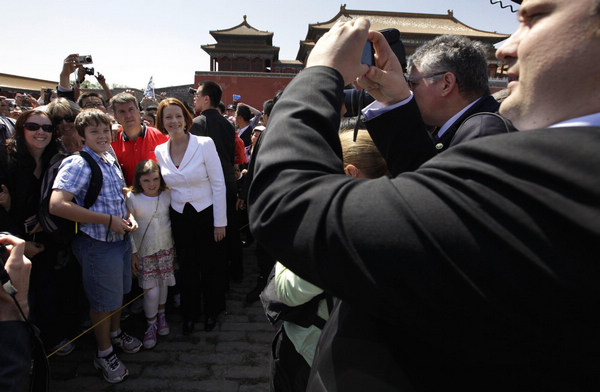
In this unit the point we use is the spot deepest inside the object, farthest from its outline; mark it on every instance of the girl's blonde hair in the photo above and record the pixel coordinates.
(362, 153)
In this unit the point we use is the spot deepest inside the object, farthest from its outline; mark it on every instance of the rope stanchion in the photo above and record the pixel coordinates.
(98, 323)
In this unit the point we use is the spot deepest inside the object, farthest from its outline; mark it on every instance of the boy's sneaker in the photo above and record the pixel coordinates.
(112, 368)
(127, 343)
(163, 327)
(150, 336)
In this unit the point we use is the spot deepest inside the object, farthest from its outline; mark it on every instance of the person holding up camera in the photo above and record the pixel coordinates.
(15, 340)
(476, 271)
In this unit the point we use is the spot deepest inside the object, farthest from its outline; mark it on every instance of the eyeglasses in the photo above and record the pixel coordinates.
(91, 105)
(31, 126)
(410, 81)
(59, 119)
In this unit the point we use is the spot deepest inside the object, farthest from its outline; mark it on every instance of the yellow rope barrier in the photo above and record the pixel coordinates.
(98, 323)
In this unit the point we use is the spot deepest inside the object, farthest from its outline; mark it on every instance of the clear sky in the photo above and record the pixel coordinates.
(131, 40)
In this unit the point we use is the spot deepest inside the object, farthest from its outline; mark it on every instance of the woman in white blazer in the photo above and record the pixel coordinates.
(192, 169)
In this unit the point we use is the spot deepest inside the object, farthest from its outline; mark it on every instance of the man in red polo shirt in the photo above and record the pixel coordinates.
(136, 141)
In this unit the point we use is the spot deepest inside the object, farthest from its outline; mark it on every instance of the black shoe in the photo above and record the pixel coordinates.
(187, 328)
(209, 324)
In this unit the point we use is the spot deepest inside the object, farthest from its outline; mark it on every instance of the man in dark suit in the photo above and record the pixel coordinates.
(478, 270)
(212, 124)
(449, 80)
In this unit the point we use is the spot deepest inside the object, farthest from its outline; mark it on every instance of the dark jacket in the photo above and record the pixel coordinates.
(477, 271)
(212, 124)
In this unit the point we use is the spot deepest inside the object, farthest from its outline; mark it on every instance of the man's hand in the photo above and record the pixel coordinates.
(385, 81)
(240, 204)
(70, 64)
(100, 78)
(341, 48)
(18, 267)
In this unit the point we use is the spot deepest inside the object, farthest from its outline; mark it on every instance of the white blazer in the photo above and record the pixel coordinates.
(198, 180)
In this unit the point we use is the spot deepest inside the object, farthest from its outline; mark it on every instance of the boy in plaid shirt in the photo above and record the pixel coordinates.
(102, 245)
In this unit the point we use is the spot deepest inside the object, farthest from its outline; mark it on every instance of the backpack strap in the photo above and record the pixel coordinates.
(95, 181)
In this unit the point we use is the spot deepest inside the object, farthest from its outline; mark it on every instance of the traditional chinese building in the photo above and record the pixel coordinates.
(415, 30)
(245, 62)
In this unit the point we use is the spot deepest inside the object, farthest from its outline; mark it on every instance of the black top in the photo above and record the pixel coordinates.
(477, 271)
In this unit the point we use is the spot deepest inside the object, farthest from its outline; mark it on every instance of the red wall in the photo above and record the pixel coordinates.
(254, 88)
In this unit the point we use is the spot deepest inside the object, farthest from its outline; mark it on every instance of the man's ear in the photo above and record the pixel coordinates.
(352, 171)
(448, 83)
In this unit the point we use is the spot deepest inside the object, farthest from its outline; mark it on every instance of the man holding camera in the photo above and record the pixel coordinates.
(478, 270)
(15, 338)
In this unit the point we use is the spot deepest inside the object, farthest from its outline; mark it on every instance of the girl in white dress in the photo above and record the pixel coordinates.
(148, 200)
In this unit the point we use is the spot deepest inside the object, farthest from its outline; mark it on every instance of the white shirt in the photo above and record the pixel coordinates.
(199, 178)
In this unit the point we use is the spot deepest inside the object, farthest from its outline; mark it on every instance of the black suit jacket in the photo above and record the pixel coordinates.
(457, 134)
(477, 271)
(247, 135)
(212, 124)
(15, 356)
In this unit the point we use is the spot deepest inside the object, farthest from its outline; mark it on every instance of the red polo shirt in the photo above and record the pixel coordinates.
(130, 153)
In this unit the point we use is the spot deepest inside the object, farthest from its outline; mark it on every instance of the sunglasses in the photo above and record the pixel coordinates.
(31, 126)
(58, 119)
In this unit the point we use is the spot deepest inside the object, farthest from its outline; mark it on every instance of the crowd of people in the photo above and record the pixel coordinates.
(451, 233)
(165, 214)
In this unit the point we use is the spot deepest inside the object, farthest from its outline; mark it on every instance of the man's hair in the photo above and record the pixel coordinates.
(123, 98)
(212, 90)
(90, 117)
(90, 94)
(62, 105)
(189, 120)
(465, 58)
(268, 107)
(244, 112)
(221, 107)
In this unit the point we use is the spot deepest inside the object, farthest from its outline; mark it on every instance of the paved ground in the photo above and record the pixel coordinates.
(233, 357)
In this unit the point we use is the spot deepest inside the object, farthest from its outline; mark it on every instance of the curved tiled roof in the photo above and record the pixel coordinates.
(242, 29)
(409, 23)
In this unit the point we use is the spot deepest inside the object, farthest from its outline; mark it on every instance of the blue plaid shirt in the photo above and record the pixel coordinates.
(74, 176)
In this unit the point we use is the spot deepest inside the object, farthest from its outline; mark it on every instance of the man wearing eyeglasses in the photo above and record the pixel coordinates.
(449, 83)
(92, 100)
(478, 271)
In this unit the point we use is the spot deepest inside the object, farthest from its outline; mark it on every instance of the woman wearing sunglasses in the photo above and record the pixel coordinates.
(63, 113)
(23, 162)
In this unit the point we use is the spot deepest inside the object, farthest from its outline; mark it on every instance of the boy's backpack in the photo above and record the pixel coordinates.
(63, 230)
(303, 315)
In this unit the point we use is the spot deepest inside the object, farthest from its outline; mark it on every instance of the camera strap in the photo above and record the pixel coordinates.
(361, 100)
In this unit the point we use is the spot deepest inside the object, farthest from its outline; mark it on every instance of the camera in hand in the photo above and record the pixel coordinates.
(356, 100)
(87, 59)
(89, 70)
